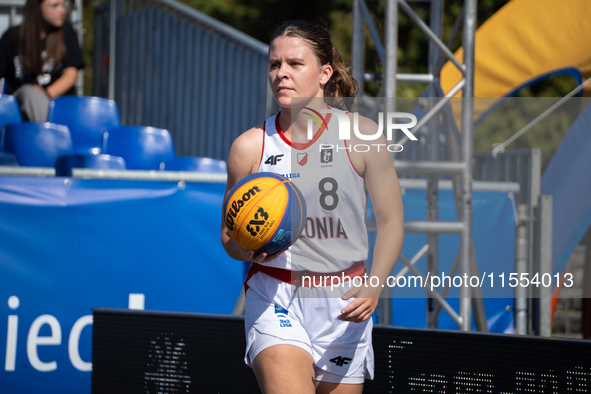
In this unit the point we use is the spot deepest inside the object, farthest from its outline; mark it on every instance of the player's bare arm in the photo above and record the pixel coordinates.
(243, 159)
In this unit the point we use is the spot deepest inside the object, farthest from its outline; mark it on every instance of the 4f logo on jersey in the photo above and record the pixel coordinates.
(340, 361)
(325, 154)
(254, 226)
(274, 159)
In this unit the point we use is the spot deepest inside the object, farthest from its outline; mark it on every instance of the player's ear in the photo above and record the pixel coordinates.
(326, 74)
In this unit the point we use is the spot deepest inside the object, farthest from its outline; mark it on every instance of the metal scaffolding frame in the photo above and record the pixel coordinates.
(460, 154)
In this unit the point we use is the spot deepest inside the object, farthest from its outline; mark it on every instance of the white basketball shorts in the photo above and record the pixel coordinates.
(337, 347)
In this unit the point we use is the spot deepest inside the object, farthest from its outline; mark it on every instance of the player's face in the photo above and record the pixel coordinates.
(54, 12)
(294, 71)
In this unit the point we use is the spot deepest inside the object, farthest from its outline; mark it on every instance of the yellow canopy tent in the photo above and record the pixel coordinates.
(525, 41)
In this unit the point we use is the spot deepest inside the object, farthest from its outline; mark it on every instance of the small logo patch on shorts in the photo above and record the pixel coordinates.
(279, 309)
(281, 313)
(340, 361)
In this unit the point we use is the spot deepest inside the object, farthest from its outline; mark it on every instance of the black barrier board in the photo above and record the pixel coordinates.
(161, 352)
(441, 361)
(164, 352)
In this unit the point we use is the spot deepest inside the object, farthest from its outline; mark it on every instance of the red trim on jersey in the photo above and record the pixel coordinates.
(300, 146)
(351, 161)
(357, 269)
(279, 131)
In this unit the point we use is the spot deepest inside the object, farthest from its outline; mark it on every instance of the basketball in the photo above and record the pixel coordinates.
(265, 212)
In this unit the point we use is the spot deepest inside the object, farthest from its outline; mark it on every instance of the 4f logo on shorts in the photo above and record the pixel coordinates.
(340, 361)
(254, 226)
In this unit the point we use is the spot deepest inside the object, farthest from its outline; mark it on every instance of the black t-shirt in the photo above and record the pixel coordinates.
(14, 74)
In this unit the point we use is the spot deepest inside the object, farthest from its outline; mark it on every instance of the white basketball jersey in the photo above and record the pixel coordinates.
(335, 234)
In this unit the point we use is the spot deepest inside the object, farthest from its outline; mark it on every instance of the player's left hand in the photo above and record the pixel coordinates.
(363, 305)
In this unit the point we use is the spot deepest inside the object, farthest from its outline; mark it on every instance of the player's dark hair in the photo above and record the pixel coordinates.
(341, 84)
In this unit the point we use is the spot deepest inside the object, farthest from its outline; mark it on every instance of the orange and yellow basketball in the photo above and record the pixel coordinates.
(265, 212)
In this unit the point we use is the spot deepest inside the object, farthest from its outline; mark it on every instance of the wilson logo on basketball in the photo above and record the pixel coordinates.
(237, 205)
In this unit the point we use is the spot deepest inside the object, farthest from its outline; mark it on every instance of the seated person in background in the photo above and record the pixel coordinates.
(40, 58)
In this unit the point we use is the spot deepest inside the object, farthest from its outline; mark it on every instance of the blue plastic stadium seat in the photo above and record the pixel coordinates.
(143, 148)
(8, 159)
(37, 144)
(86, 117)
(9, 113)
(65, 164)
(200, 164)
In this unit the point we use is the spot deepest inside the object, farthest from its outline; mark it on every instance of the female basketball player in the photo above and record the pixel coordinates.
(299, 339)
